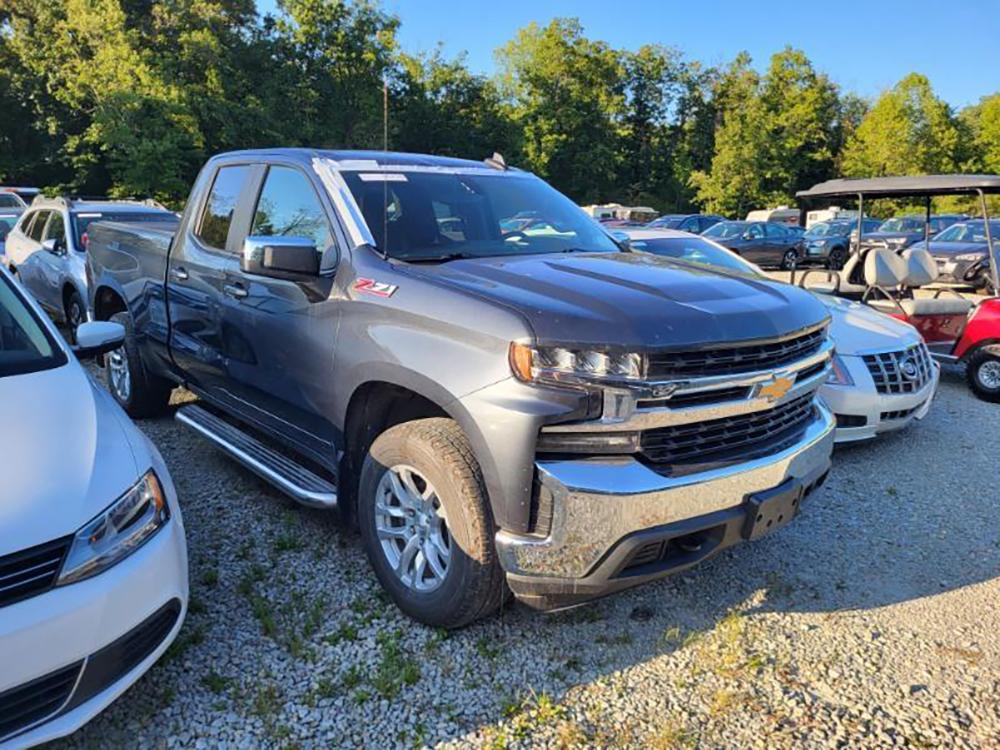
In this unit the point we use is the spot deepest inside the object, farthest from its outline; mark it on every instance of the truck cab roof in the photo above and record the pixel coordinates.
(352, 159)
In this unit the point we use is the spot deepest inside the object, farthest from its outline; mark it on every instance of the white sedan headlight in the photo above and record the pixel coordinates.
(838, 372)
(118, 531)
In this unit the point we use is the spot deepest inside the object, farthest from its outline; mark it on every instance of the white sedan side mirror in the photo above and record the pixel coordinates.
(98, 337)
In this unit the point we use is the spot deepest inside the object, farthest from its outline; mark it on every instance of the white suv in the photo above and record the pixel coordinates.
(46, 250)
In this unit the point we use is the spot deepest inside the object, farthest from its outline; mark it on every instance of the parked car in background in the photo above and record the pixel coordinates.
(900, 232)
(495, 408)
(10, 199)
(93, 562)
(866, 388)
(47, 249)
(25, 194)
(8, 220)
(833, 213)
(762, 242)
(828, 243)
(962, 253)
(694, 223)
(779, 215)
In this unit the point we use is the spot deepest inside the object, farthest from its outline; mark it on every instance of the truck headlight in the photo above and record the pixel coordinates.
(838, 372)
(117, 531)
(567, 365)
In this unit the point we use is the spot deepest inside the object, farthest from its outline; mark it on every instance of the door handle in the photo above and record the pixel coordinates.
(235, 290)
(179, 273)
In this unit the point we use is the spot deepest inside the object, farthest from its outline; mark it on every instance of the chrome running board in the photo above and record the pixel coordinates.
(295, 480)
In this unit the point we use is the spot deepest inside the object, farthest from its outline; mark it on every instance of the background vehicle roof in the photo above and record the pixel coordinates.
(655, 234)
(887, 187)
(98, 205)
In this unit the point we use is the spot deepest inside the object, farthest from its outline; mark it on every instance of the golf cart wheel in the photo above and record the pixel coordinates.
(836, 260)
(983, 374)
(789, 260)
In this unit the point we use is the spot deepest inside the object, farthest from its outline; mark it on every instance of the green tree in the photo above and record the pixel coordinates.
(909, 130)
(566, 92)
(735, 181)
(983, 122)
(439, 107)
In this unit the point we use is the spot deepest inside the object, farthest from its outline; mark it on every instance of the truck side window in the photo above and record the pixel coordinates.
(288, 206)
(213, 229)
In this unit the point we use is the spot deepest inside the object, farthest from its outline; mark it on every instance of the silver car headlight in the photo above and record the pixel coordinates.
(117, 531)
(556, 364)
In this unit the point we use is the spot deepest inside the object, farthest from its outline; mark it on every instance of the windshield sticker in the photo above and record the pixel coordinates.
(378, 288)
(382, 177)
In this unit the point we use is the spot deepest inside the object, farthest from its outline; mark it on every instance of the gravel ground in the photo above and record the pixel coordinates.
(871, 621)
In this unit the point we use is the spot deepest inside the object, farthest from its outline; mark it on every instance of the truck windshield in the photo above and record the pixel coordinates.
(25, 346)
(693, 250)
(433, 216)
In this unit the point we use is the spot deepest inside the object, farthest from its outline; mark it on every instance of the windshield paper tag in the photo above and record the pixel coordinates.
(382, 177)
(378, 288)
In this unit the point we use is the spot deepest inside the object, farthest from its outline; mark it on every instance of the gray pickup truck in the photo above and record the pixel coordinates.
(472, 370)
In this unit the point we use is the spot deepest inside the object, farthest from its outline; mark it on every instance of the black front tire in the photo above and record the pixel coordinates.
(76, 315)
(983, 373)
(474, 585)
(146, 395)
(836, 259)
(789, 260)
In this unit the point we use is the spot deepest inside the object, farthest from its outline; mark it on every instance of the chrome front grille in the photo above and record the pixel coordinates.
(729, 360)
(31, 571)
(717, 440)
(904, 371)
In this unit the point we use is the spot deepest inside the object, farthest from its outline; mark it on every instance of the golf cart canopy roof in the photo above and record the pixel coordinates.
(889, 187)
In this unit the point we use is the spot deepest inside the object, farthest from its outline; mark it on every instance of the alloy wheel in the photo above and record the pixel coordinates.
(121, 378)
(412, 529)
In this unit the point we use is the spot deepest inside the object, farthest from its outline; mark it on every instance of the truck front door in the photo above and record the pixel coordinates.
(282, 377)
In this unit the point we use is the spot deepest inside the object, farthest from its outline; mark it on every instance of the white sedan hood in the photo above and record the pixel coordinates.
(66, 453)
(857, 328)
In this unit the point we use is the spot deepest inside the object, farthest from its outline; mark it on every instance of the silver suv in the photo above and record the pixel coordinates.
(46, 249)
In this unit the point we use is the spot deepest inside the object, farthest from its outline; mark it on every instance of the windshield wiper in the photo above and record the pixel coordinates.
(440, 258)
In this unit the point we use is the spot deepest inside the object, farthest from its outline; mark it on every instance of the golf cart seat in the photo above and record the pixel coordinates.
(884, 270)
(848, 285)
(920, 271)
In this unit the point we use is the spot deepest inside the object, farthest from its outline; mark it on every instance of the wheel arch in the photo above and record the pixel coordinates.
(107, 302)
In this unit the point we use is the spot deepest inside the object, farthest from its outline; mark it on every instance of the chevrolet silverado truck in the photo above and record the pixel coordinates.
(533, 410)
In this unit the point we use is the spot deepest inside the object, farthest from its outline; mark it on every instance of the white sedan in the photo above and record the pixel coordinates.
(883, 377)
(93, 562)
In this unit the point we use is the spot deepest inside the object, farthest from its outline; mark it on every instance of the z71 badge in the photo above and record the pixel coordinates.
(378, 288)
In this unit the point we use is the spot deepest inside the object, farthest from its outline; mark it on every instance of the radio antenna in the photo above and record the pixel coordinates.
(385, 148)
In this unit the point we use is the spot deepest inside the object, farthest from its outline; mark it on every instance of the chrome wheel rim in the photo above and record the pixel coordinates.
(412, 529)
(121, 379)
(989, 374)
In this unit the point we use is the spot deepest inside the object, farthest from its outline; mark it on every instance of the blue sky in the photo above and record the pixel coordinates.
(864, 46)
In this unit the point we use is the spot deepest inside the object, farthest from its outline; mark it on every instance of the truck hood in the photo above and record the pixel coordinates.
(66, 455)
(856, 328)
(633, 300)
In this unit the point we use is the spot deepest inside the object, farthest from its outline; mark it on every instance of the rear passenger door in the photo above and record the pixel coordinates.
(281, 377)
(201, 261)
(23, 250)
(51, 263)
(778, 241)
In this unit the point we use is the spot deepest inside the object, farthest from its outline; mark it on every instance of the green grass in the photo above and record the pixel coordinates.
(215, 682)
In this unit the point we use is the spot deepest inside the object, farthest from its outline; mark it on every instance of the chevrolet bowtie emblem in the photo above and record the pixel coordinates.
(775, 388)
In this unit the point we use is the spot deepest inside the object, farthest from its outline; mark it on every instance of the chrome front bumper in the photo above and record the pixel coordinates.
(598, 503)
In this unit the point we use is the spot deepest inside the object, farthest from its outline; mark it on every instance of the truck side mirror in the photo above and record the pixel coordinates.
(280, 257)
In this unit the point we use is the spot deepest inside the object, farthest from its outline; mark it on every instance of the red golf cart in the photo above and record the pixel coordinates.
(956, 329)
